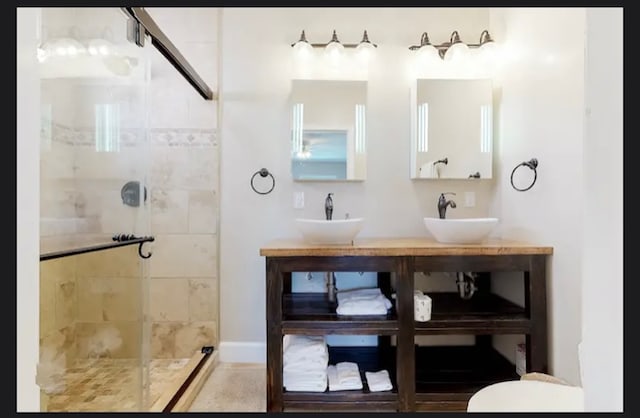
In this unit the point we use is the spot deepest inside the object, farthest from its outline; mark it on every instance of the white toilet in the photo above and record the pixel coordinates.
(527, 396)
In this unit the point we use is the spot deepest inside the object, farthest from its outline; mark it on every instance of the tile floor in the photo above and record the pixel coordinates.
(104, 385)
(233, 387)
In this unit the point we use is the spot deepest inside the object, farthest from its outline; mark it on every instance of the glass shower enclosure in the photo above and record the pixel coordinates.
(95, 203)
(94, 212)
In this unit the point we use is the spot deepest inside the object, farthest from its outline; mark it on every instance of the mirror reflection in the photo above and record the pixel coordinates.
(452, 129)
(328, 130)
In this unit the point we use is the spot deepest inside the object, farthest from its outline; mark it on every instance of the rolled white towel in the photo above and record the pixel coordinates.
(421, 307)
(378, 381)
(334, 383)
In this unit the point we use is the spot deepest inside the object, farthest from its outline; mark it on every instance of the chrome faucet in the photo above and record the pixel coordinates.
(328, 206)
(443, 203)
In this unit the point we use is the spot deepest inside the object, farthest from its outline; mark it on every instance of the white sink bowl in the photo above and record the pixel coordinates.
(339, 231)
(460, 231)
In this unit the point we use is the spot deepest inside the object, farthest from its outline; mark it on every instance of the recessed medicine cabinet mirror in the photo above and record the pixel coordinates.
(452, 129)
(328, 130)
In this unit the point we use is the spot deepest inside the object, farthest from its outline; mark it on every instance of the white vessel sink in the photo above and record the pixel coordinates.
(460, 231)
(339, 231)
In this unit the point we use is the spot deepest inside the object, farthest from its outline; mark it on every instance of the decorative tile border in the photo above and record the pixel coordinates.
(131, 137)
(184, 137)
(59, 133)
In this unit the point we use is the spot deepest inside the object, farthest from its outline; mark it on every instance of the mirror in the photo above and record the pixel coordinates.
(328, 125)
(452, 129)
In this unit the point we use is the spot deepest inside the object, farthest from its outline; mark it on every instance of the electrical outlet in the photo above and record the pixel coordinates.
(298, 200)
(469, 199)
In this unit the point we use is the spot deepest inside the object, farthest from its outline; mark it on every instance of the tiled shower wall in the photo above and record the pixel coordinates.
(83, 299)
(184, 188)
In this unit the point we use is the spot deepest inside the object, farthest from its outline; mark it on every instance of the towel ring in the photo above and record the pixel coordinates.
(263, 173)
(532, 164)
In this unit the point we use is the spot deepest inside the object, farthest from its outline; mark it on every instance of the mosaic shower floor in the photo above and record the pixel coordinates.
(111, 385)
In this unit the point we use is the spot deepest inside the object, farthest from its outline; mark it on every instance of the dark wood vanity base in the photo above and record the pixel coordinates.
(424, 378)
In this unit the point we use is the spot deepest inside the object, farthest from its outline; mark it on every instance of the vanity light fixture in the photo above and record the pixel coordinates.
(61, 47)
(455, 47)
(426, 49)
(302, 45)
(365, 43)
(335, 42)
(334, 48)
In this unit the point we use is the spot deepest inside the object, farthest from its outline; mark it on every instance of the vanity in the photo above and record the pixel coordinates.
(424, 378)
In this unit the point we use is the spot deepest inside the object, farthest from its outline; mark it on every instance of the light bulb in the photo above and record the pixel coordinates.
(365, 47)
(100, 47)
(488, 50)
(456, 52)
(427, 53)
(41, 54)
(365, 50)
(302, 48)
(334, 51)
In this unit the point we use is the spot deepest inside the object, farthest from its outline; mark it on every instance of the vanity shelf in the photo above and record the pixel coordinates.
(484, 313)
(368, 359)
(447, 376)
(314, 314)
(431, 378)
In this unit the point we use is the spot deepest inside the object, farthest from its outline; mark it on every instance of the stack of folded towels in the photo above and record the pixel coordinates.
(344, 376)
(362, 302)
(304, 363)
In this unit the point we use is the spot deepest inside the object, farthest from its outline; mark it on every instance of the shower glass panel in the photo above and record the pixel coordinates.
(94, 338)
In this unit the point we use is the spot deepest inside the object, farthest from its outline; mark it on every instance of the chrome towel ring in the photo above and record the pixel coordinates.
(532, 164)
(263, 173)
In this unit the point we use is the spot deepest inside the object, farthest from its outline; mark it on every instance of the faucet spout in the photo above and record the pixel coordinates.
(328, 206)
(443, 203)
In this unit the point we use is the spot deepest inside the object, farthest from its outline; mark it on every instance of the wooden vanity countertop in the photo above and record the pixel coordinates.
(399, 247)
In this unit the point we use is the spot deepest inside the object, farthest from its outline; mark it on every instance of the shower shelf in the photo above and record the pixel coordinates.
(120, 240)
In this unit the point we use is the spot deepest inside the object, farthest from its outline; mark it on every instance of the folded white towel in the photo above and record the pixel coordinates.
(376, 306)
(378, 381)
(297, 353)
(348, 372)
(298, 346)
(365, 301)
(292, 341)
(305, 376)
(360, 294)
(305, 383)
(334, 383)
(306, 364)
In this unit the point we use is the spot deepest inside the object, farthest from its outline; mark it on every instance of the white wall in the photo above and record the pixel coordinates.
(28, 209)
(256, 78)
(541, 115)
(602, 287)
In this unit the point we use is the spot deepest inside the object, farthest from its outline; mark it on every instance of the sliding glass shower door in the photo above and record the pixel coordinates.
(94, 338)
